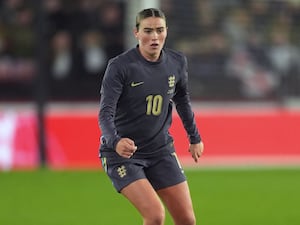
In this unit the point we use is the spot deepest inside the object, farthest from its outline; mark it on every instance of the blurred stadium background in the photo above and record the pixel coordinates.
(244, 71)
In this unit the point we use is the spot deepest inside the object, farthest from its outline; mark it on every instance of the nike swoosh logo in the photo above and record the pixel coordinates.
(134, 84)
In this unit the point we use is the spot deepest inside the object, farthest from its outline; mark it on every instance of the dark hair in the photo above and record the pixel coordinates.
(151, 12)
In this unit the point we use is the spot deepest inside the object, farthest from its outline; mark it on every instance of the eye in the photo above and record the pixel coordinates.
(160, 30)
(148, 31)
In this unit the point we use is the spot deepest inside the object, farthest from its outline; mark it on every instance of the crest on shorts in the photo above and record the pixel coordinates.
(122, 171)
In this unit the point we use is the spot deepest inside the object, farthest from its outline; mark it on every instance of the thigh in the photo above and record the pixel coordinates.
(165, 171)
(178, 200)
(142, 195)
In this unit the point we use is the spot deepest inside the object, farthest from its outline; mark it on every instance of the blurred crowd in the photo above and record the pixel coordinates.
(239, 48)
(236, 48)
(78, 36)
(82, 37)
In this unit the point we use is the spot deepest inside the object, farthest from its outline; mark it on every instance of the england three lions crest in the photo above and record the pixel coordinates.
(171, 81)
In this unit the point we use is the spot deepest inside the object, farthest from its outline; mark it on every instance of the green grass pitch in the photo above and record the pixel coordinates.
(221, 197)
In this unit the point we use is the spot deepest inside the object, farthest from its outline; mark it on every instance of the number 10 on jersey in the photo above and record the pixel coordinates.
(154, 104)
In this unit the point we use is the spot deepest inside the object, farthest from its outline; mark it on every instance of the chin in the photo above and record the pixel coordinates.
(155, 51)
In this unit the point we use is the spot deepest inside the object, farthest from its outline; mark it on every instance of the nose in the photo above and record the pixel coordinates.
(154, 35)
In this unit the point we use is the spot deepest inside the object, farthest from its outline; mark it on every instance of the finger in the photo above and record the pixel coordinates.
(130, 145)
(130, 142)
(201, 152)
(195, 157)
(131, 149)
(126, 155)
(128, 152)
(124, 152)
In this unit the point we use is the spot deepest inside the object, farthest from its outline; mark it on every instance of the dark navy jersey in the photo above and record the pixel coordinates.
(137, 97)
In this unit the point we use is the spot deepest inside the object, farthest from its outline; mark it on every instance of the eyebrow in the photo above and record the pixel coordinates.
(157, 28)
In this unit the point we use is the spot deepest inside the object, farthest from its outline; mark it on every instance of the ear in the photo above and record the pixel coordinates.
(135, 32)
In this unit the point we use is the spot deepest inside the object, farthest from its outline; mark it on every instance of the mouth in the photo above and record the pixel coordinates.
(154, 45)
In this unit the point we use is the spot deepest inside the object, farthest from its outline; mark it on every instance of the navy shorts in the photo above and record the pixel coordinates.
(162, 171)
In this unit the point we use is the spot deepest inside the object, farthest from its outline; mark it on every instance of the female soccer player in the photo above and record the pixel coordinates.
(137, 151)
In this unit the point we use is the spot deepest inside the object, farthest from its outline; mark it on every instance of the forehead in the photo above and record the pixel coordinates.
(152, 22)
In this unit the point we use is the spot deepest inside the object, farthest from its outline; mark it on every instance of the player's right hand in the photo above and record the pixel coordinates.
(126, 147)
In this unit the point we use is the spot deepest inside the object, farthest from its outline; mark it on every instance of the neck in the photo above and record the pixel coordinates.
(150, 57)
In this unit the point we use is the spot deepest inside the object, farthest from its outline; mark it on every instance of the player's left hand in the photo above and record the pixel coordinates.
(196, 150)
